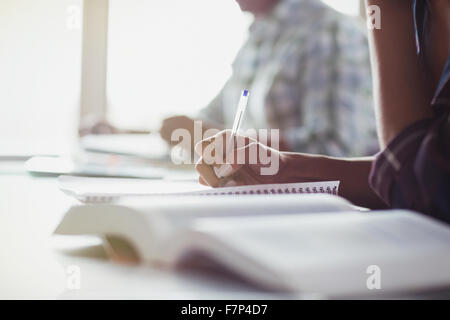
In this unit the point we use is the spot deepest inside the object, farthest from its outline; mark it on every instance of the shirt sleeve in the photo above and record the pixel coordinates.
(413, 171)
(335, 93)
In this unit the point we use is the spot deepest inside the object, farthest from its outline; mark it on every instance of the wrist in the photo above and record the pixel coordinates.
(297, 167)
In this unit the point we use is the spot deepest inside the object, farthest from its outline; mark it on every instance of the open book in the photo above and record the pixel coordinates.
(289, 243)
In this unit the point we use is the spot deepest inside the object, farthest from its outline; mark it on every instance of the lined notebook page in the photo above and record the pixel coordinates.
(108, 189)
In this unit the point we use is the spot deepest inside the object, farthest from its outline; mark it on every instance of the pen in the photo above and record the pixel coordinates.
(238, 119)
(236, 127)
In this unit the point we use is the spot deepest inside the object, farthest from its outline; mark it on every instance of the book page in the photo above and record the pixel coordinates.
(332, 253)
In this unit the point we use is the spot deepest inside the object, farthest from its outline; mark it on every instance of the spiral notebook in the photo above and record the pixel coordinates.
(106, 190)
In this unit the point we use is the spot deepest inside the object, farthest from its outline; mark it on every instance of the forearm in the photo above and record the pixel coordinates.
(353, 173)
(400, 85)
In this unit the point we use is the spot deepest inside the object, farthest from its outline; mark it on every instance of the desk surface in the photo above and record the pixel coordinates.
(35, 264)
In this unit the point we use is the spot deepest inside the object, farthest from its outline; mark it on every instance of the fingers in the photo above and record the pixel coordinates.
(223, 170)
(231, 183)
(214, 149)
(171, 124)
(239, 157)
(218, 174)
(202, 181)
(206, 149)
(218, 168)
(202, 145)
(207, 174)
(223, 182)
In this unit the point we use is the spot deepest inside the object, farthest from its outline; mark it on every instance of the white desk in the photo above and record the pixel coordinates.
(34, 264)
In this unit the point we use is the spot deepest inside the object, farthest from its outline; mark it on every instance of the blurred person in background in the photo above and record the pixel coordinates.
(308, 71)
(411, 68)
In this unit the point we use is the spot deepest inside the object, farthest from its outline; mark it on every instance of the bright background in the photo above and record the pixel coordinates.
(169, 56)
(165, 57)
(39, 75)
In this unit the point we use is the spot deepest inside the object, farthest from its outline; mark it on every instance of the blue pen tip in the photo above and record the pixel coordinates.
(245, 93)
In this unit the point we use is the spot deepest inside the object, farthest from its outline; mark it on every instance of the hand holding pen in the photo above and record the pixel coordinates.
(218, 166)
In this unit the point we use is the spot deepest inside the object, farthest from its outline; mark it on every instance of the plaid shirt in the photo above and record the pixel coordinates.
(413, 171)
(308, 71)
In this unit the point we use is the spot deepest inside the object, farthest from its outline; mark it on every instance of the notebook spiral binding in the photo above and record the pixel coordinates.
(307, 190)
(261, 190)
